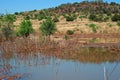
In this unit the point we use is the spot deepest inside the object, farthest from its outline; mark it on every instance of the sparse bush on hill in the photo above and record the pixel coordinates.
(116, 17)
(16, 13)
(70, 17)
(25, 28)
(118, 23)
(6, 25)
(70, 32)
(27, 17)
(98, 18)
(81, 17)
(9, 18)
(40, 17)
(48, 27)
(7, 31)
(92, 17)
(110, 24)
(55, 19)
(93, 27)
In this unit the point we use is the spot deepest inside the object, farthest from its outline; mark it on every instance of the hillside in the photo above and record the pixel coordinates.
(83, 17)
(103, 17)
(82, 7)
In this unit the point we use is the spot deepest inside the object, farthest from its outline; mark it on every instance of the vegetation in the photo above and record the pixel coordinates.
(93, 27)
(55, 19)
(48, 27)
(6, 25)
(116, 17)
(70, 32)
(25, 28)
(110, 25)
(7, 32)
(118, 23)
(70, 17)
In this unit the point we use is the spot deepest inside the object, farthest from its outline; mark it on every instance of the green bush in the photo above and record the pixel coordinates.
(70, 32)
(109, 24)
(115, 17)
(25, 28)
(118, 23)
(93, 27)
(92, 17)
(48, 27)
(55, 19)
(40, 17)
(27, 18)
(70, 17)
(7, 32)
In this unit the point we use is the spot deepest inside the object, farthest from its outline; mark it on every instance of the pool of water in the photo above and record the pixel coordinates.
(50, 68)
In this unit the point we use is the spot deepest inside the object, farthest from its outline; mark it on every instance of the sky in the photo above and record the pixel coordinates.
(12, 6)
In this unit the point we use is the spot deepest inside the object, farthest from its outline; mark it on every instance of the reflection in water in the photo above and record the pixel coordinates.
(87, 64)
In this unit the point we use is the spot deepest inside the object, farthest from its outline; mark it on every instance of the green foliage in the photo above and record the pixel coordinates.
(106, 18)
(81, 17)
(7, 32)
(93, 27)
(109, 24)
(40, 17)
(48, 27)
(115, 17)
(98, 18)
(55, 19)
(25, 28)
(70, 17)
(69, 32)
(92, 17)
(118, 23)
(16, 13)
(27, 18)
(6, 25)
(9, 18)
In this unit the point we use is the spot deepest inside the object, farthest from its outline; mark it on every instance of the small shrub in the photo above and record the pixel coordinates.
(81, 17)
(109, 24)
(70, 17)
(93, 27)
(48, 27)
(16, 13)
(92, 17)
(55, 19)
(27, 18)
(25, 28)
(69, 32)
(116, 17)
(40, 17)
(7, 32)
(66, 37)
(118, 23)
(106, 18)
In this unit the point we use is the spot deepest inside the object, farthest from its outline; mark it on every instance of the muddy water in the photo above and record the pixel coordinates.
(43, 67)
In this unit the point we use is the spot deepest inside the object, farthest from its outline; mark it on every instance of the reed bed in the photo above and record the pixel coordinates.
(36, 44)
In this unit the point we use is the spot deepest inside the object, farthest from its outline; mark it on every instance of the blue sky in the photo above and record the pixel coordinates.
(11, 6)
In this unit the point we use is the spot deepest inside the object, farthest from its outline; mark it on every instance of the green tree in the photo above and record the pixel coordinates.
(48, 27)
(7, 32)
(92, 17)
(6, 26)
(116, 17)
(25, 28)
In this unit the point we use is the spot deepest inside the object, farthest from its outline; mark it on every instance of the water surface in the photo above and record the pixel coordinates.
(43, 67)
